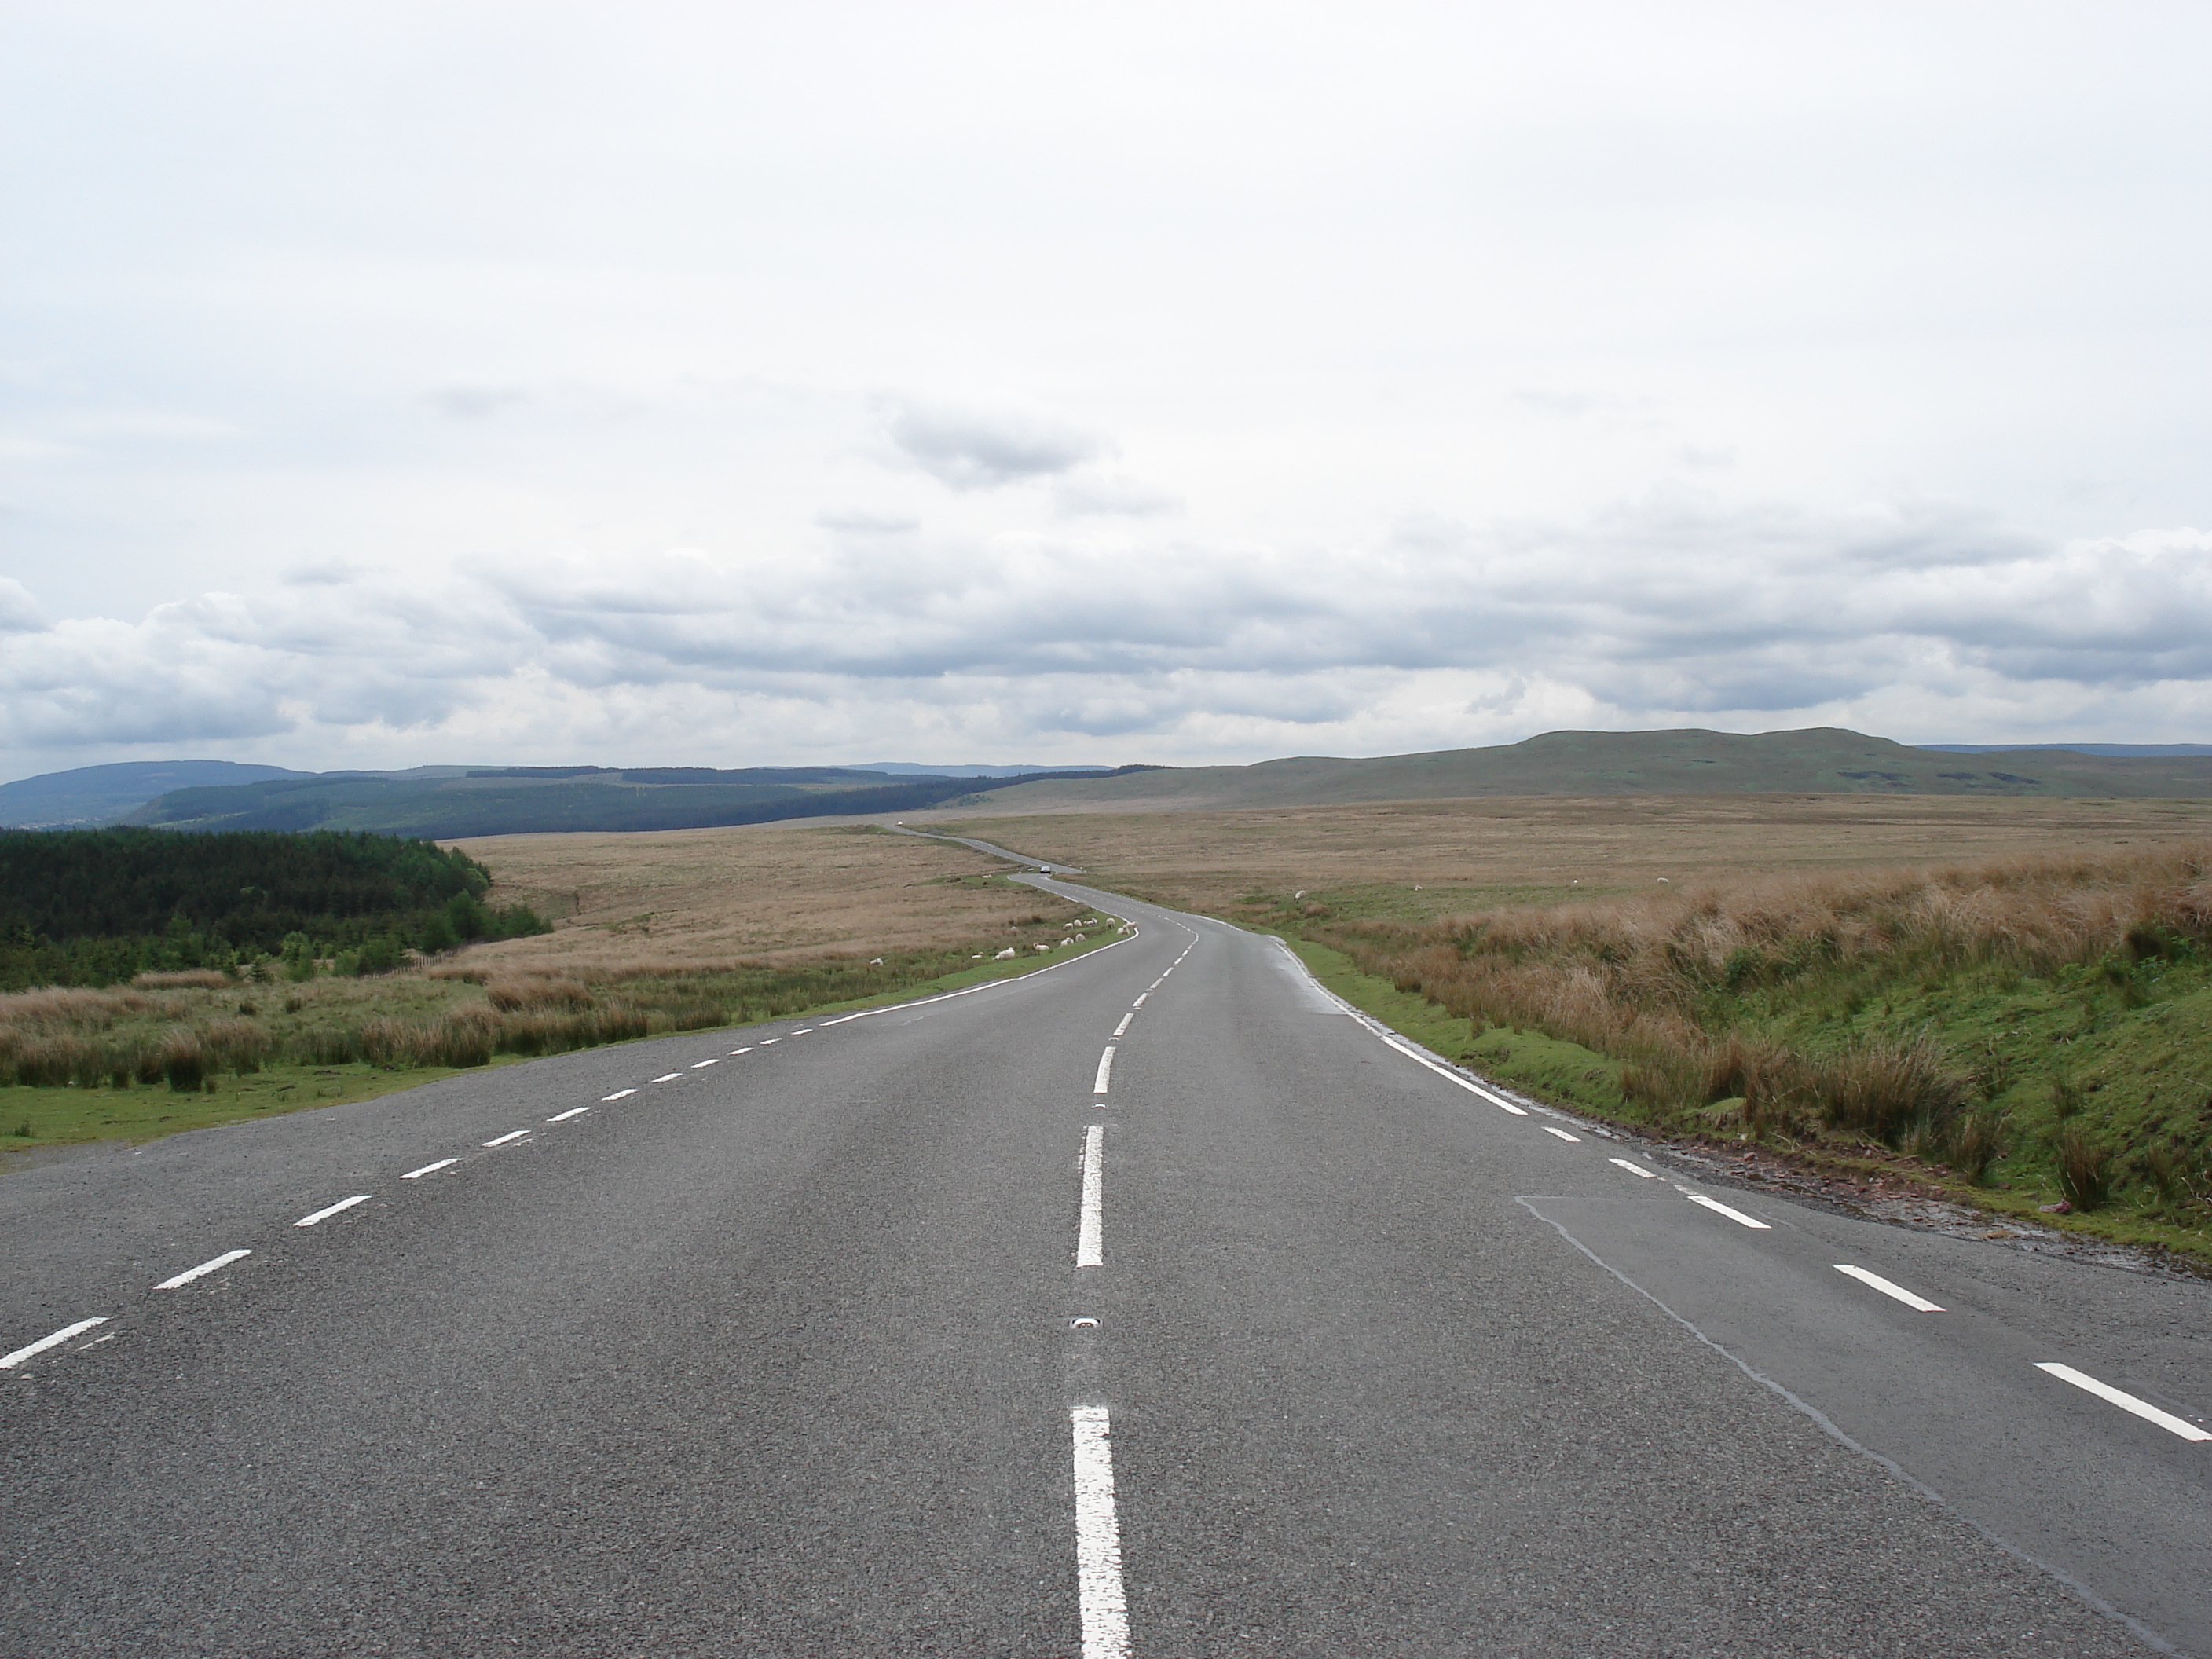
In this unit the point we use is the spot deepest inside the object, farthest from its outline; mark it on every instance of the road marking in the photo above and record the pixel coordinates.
(668, 1077)
(1105, 1072)
(8, 1362)
(563, 1117)
(1089, 1237)
(735, 1051)
(803, 1030)
(1887, 1289)
(1105, 1609)
(1154, 985)
(190, 1273)
(1122, 1030)
(1139, 1002)
(1450, 1076)
(2126, 1402)
(430, 1168)
(512, 1134)
(696, 1064)
(1719, 1208)
(1563, 1134)
(342, 1206)
(1635, 1168)
(619, 1094)
(764, 1041)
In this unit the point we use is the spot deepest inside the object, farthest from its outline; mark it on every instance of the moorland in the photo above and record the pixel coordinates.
(2007, 1001)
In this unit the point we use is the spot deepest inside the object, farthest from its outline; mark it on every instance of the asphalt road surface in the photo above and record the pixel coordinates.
(1150, 1305)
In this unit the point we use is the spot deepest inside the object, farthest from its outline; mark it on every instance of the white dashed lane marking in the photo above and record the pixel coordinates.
(563, 1117)
(1888, 1289)
(2126, 1402)
(1089, 1242)
(206, 1267)
(430, 1168)
(1635, 1168)
(8, 1362)
(696, 1064)
(1122, 1030)
(1719, 1208)
(1105, 1072)
(339, 1208)
(512, 1134)
(619, 1094)
(1102, 1603)
(668, 1077)
(1563, 1134)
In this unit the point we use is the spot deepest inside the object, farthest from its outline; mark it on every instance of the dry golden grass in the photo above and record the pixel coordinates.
(1464, 854)
(696, 898)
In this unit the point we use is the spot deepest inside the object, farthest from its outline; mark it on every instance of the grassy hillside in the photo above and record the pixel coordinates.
(2030, 1030)
(1822, 761)
(88, 796)
(516, 801)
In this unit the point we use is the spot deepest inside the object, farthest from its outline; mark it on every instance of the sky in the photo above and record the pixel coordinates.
(395, 384)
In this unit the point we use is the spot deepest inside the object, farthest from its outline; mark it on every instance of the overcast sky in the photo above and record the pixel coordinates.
(389, 383)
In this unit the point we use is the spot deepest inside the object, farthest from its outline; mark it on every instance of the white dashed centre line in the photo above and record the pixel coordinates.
(746, 1050)
(1563, 1134)
(1122, 1030)
(430, 1168)
(512, 1134)
(563, 1117)
(339, 1208)
(2126, 1402)
(1105, 1072)
(1719, 1208)
(803, 1030)
(764, 1041)
(619, 1094)
(668, 1077)
(1104, 1607)
(190, 1273)
(1635, 1168)
(1139, 1002)
(1888, 1289)
(696, 1064)
(1090, 1242)
(8, 1362)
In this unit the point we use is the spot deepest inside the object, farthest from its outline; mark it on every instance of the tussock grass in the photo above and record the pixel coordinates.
(2038, 1021)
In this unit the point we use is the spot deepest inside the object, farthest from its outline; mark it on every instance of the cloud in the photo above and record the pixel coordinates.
(974, 449)
(1100, 496)
(18, 611)
(866, 524)
(474, 401)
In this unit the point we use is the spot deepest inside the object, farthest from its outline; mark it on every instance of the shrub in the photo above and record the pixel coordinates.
(1886, 1089)
(183, 1062)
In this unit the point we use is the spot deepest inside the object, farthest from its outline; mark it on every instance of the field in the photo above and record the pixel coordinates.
(2007, 1003)
(1411, 860)
(655, 932)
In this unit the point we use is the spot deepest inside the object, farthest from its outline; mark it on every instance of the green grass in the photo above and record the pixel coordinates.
(32, 1118)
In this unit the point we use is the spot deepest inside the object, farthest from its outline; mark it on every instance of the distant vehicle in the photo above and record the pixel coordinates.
(1045, 869)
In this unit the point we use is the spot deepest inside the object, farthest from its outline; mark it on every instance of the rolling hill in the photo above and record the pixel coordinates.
(1822, 760)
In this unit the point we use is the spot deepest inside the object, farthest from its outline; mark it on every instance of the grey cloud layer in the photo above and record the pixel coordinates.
(1663, 613)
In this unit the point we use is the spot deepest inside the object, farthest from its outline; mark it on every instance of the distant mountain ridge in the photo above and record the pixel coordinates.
(1822, 760)
(92, 795)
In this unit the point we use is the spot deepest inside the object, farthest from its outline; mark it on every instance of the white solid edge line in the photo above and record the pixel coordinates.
(343, 1204)
(619, 1094)
(1635, 1169)
(563, 1117)
(1562, 1135)
(430, 1168)
(1090, 1242)
(696, 1064)
(1719, 1208)
(512, 1134)
(1887, 1288)
(2126, 1402)
(1450, 1076)
(8, 1362)
(190, 1273)
(1105, 1072)
(1100, 1599)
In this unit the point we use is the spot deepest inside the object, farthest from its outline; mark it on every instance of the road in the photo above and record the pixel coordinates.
(938, 1331)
